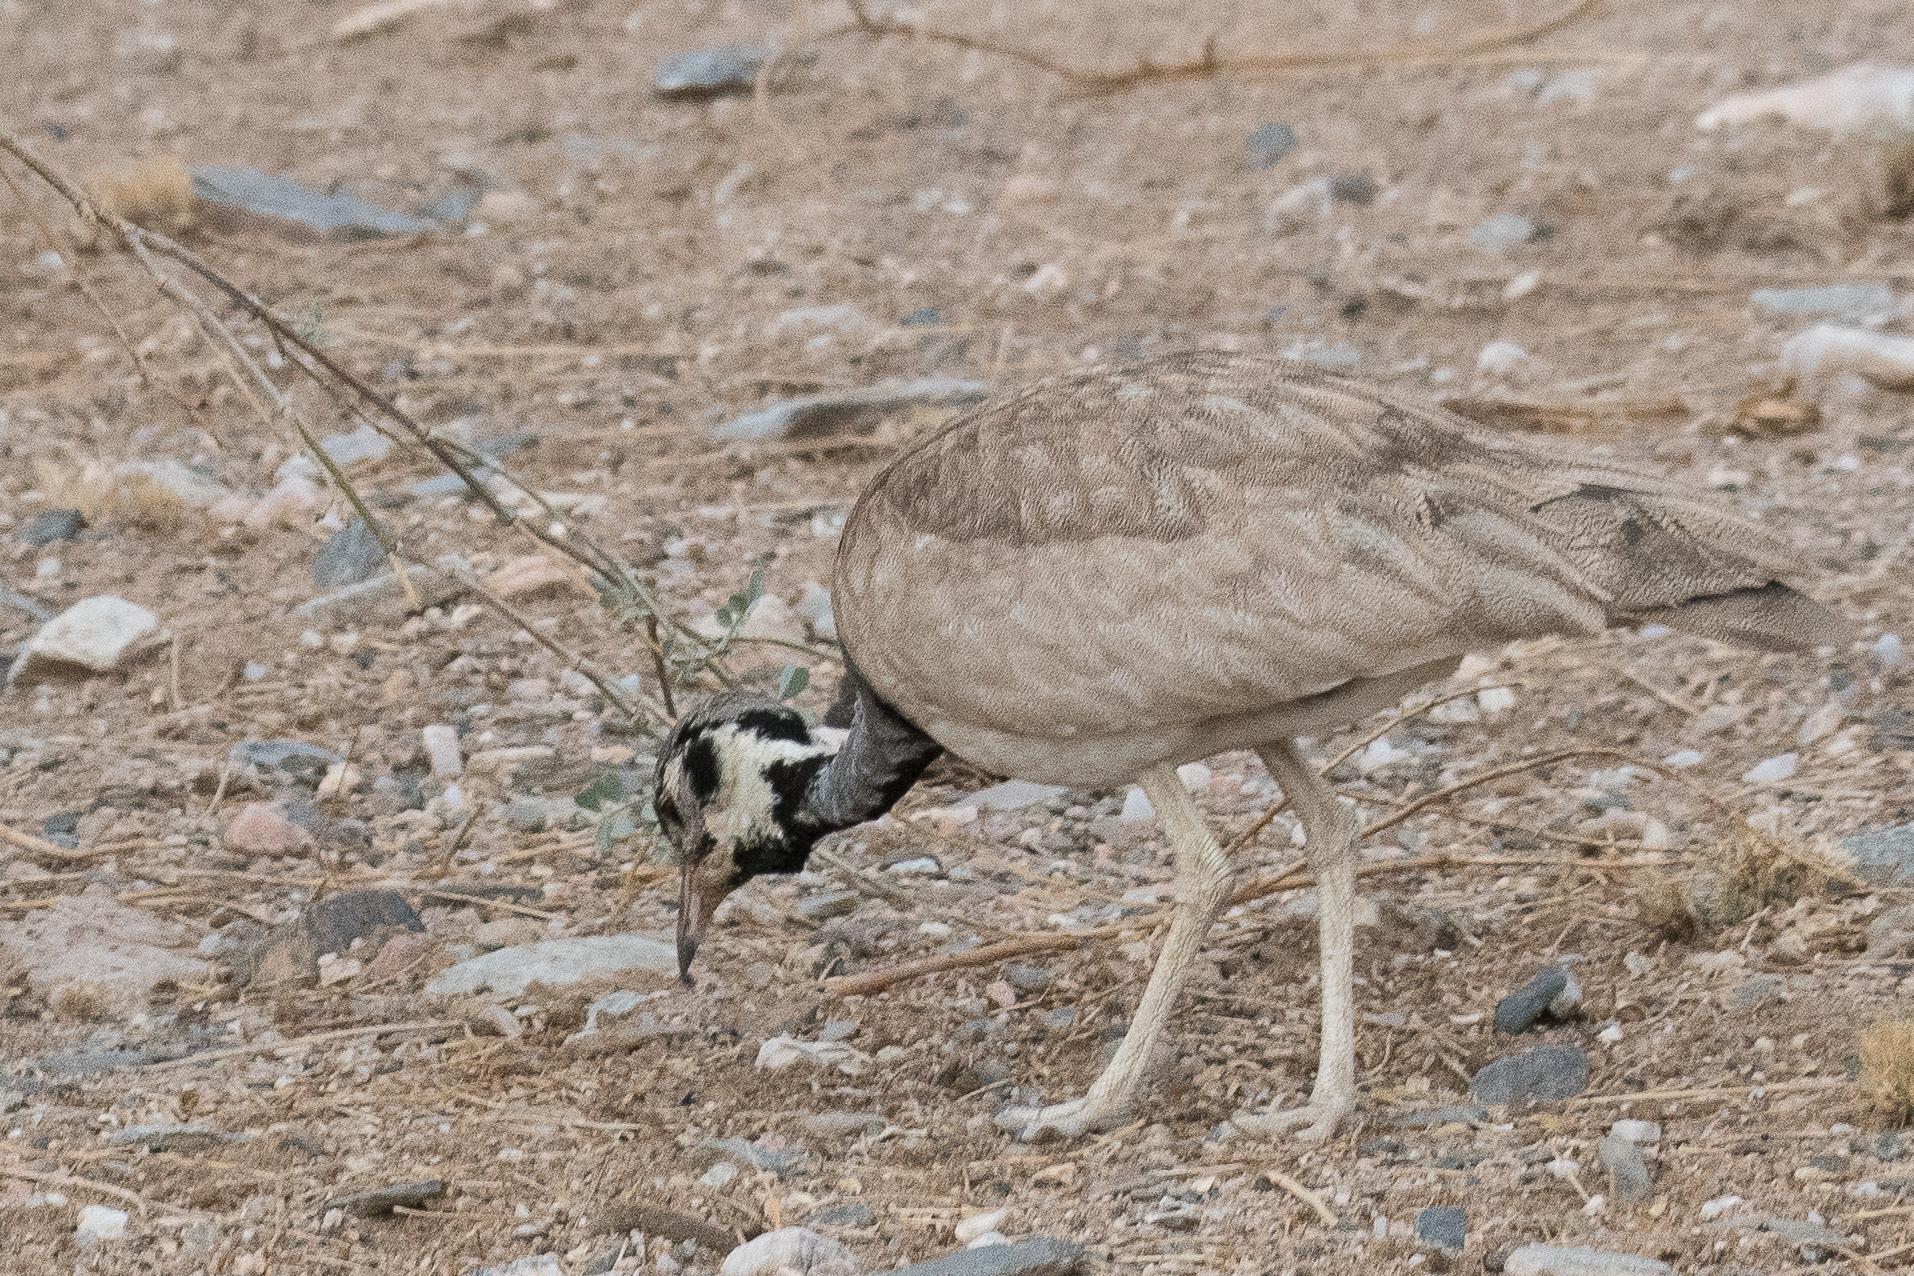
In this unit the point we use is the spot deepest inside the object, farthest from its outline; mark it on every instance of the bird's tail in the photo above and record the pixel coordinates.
(1666, 558)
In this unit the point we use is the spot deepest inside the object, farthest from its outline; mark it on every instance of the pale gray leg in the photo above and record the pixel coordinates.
(1333, 832)
(1202, 888)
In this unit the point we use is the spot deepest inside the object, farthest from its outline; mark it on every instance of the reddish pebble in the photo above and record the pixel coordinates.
(262, 830)
(1002, 993)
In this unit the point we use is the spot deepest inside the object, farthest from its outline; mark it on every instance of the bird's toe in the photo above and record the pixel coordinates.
(1057, 1121)
(1319, 1121)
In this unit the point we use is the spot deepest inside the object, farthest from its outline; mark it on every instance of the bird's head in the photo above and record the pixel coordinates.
(730, 797)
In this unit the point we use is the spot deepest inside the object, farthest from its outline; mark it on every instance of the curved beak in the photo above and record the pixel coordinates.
(691, 923)
(697, 900)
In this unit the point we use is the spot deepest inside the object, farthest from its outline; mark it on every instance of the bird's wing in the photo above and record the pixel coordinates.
(1111, 552)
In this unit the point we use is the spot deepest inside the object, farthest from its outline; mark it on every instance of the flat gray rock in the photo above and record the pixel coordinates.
(820, 415)
(175, 1138)
(285, 199)
(1442, 1227)
(1633, 1183)
(88, 956)
(381, 599)
(1831, 301)
(1551, 1260)
(1517, 1012)
(383, 1200)
(1545, 1074)
(555, 963)
(1883, 857)
(275, 761)
(699, 73)
(1039, 1257)
(94, 634)
(350, 555)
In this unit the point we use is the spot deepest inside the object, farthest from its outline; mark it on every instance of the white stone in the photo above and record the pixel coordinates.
(1550, 1260)
(1720, 1205)
(790, 1251)
(1563, 1168)
(1379, 754)
(557, 963)
(99, 1223)
(1820, 356)
(977, 1224)
(1522, 285)
(1136, 805)
(719, 1175)
(1886, 651)
(1640, 1133)
(94, 633)
(1298, 206)
(987, 1240)
(1858, 98)
(1503, 361)
(1820, 724)
(842, 317)
(441, 743)
(1771, 770)
(364, 444)
(1195, 776)
(782, 1052)
(1495, 701)
(1682, 759)
(1610, 1035)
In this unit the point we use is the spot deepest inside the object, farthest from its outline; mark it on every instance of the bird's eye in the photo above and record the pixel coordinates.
(667, 812)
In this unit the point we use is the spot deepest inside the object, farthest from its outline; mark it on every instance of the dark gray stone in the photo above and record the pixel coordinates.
(839, 1030)
(290, 953)
(337, 214)
(1265, 148)
(703, 73)
(1031, 979)
(1517, 1012)
(49, 526)
(383, 1200)
(1039, 1257)
(1886, 1146)
(1442, 1227)
(175, 1138)
(822, 415)
(1544, 1074)
(777, 1160)
(1883, 857)
(851, 1214)
(351, 555)
(1359, 189)
(281, 760)
(1633, 1183)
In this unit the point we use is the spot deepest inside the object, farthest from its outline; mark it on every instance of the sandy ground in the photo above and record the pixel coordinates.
(641, 270)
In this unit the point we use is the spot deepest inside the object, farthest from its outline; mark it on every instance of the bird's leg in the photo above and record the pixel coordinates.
(1333, 832)
(1202, 887)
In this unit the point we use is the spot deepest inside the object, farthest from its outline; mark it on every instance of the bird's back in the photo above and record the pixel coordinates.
(1132, 551)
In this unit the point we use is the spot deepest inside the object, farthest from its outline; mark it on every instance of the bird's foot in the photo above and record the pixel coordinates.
(1061, 1120)
(1320, 1118)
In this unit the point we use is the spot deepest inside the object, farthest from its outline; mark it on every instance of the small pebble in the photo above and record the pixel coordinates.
(1442, 1227)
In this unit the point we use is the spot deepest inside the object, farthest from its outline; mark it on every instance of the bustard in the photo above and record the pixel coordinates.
(1136, 565)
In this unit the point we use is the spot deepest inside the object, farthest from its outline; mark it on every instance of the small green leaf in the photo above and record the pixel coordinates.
(794, 679)
(605, 788)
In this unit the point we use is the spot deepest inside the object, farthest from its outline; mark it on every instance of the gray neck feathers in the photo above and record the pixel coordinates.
(880, 759)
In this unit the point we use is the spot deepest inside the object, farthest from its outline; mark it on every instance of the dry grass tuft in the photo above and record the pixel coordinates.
(106, 495)
(156, 193)
(1665, 908)
(1887, 1066)
(82, 1000)
(1752, 869)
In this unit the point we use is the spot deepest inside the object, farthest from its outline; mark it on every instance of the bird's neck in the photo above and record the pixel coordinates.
(880, 757)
